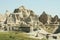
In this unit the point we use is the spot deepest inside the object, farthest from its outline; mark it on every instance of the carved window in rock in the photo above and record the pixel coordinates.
(17, 16)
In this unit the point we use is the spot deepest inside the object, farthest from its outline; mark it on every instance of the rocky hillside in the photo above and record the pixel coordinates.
(23, 17)
(44, 18)
(51, 24)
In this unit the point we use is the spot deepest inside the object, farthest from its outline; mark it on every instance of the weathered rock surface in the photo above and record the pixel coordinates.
(43, 18)
(23, 17)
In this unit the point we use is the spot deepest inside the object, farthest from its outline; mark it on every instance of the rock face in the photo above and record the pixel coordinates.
(55, 19)
(25, 18)
(2, 19)
(45, 18)
(48, 19)
(51, 24)
(22, 17)
(22, 14)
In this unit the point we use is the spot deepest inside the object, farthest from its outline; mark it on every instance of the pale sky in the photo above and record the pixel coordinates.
(51, 7)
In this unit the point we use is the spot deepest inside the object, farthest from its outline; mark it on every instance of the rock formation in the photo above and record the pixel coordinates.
(26, 18)
(22, 17)
(44, 18)
(55, 19)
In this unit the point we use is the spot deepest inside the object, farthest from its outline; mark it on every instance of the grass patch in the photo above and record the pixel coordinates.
(15, 36)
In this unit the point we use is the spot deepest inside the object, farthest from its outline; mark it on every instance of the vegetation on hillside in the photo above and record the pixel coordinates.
(15, 36)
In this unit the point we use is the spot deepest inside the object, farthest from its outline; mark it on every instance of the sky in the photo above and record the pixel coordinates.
(51, 7)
